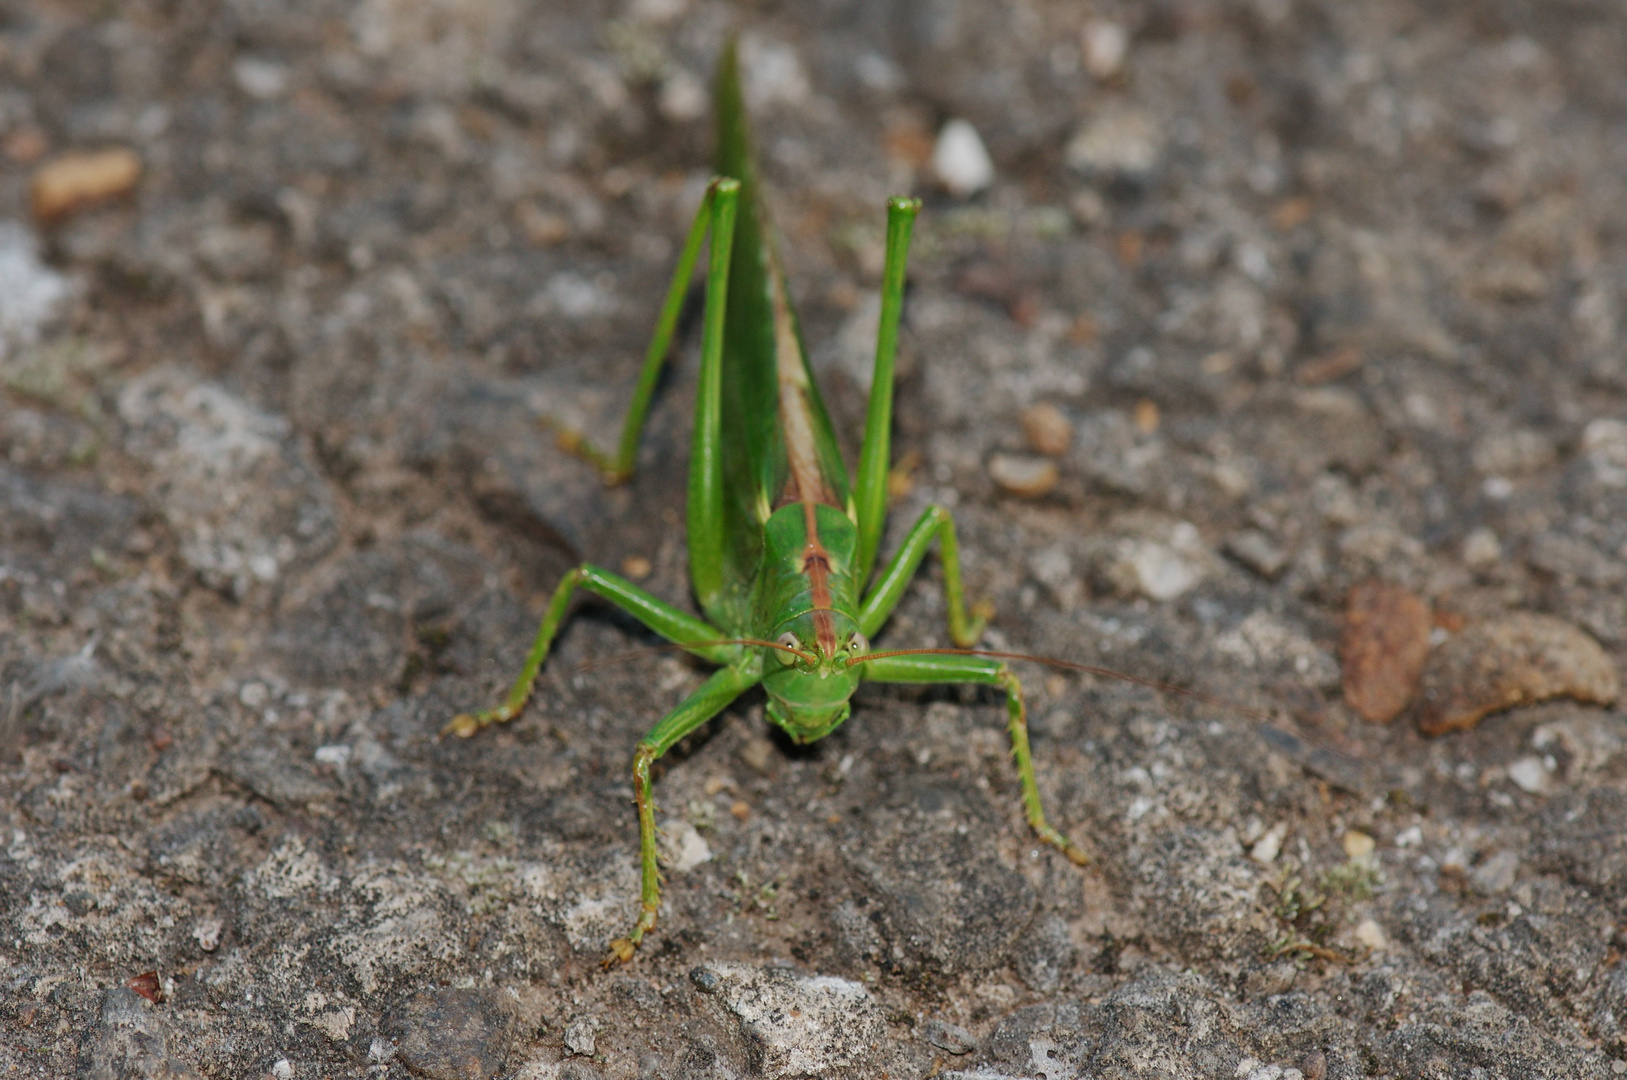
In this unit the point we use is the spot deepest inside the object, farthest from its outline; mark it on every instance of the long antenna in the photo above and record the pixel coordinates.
(1074, 665)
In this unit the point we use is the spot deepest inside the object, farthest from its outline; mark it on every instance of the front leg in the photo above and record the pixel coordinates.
(711, 698)
(964, 629)
(698, 636)
(941, 668)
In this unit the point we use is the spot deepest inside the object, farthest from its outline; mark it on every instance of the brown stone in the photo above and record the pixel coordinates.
(1383, 649)
(1516, 659)
(72, 181)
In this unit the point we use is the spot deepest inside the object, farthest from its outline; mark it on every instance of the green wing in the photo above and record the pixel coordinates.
(757, 462)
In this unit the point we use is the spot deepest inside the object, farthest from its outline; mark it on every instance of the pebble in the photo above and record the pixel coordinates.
(1357, 844)
(580, 1038)
(1567, 557)
(1530, 774)
(1482, 549)
(1104, 46)
(1372, 935)
(1154, 569)
(683, 97)
(961, 161)
(1049, 432)
(1255, 550)
(207, 933)
(1268, 847)
(262, 80)
(1124, 143)
(1382, 649)
(1515, 659)
(774, 74)
(1024, 475)
(682, 848)
(1604, 445)
(77, 180)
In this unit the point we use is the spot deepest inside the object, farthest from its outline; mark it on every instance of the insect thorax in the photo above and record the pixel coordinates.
(807, 601)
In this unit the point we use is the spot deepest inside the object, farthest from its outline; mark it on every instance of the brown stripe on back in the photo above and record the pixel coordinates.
(806, 482)
(816, 565)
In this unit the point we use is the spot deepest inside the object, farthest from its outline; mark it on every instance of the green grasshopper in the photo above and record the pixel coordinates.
(781, 547)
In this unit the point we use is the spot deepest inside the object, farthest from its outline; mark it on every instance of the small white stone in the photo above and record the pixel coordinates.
(1372, 935)
(878, 73)
(774, 74)
(659, 11)
(282, 1069)
(961, 161)
(253, 694)
(683, 97)
(682, 846)
(207, 933)
(1604, 443)
(1159, 571)
(1530, 774)
(580, 1038)
(1481, 548)
(262, 80)
(1268, 847)
(1411, 837)
(1122, 142)
(1104, 46)
(335, 754)
(1024, 474)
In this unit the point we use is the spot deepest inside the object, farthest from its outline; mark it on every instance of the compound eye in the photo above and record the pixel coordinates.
(788, 640)
(857, 645)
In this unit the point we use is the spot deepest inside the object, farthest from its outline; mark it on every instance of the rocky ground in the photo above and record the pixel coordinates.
(1263, 299)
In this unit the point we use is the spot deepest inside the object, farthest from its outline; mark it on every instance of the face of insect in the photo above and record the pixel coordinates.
(808, 689)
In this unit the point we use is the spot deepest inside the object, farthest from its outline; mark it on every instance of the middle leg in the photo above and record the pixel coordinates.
(978, 669)
(964, 628)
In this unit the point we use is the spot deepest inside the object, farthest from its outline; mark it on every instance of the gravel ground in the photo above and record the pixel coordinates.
(1263, 299)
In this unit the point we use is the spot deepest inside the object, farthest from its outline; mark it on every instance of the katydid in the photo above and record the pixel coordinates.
(781, 546)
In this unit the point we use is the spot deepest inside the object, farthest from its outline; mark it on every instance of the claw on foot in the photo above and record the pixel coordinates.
(466, 724)
(462, 725)
(621, 951)
(1075, 855)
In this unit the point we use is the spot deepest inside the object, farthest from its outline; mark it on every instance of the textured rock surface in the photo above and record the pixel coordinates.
(1307, 293)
